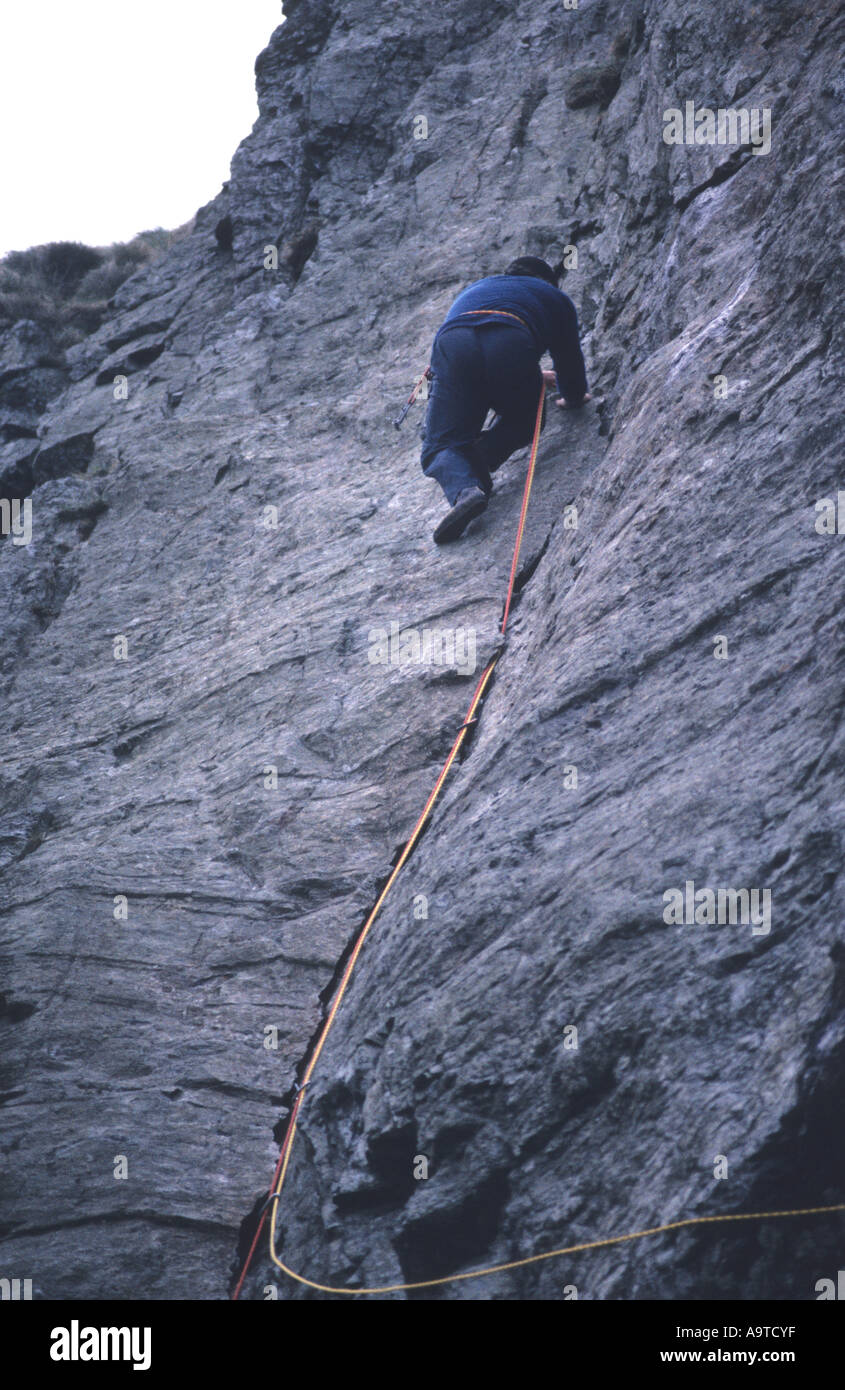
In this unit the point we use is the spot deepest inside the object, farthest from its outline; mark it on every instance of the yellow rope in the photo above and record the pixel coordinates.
(549, 1254)
(347, 974)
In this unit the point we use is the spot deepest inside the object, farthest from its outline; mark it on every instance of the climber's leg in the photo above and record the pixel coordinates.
(470, 502)
(456, 412)
(513, 379)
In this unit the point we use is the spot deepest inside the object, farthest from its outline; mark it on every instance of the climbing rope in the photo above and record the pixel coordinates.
(550, 1254)
(280, 1172)
(284, 1154)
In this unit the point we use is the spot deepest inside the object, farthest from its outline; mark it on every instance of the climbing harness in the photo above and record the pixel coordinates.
(280, 1172)
(497, 312)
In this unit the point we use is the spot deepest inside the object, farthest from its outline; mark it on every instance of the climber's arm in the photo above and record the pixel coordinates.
(567, 357)
(550, 380)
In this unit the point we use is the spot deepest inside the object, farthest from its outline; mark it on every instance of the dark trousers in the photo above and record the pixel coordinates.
(489, 366)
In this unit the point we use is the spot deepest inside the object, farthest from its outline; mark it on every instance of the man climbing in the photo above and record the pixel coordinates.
(486, 355)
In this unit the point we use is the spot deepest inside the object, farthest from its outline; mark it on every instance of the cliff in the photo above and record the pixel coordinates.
(205, 779)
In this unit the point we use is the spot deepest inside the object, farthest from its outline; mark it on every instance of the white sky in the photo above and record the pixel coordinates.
(121, 115)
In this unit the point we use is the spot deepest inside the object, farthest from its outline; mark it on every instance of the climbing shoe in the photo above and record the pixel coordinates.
(471, 502)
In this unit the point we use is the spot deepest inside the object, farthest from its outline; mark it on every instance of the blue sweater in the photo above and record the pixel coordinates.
(549, 314)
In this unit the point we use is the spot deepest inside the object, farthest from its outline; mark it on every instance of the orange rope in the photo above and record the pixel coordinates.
(284, 1155)
(281, 1165)
(529, 478)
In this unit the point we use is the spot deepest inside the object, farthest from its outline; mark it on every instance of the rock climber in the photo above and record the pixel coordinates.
(486, 356)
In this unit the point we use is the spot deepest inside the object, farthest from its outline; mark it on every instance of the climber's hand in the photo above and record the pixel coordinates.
(564, 405)
(550, 379)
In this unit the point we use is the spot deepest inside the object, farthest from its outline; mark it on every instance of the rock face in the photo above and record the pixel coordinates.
(205, 777)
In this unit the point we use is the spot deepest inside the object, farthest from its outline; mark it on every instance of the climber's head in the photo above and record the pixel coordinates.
(532, 265)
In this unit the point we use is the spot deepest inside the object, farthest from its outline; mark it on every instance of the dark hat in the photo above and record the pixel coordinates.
(532, 265)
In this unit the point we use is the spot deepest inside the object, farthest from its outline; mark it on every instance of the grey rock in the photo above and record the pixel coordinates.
(206, 777)
(25, 344)
(595, 84)
(141, 352)
(32, 372)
